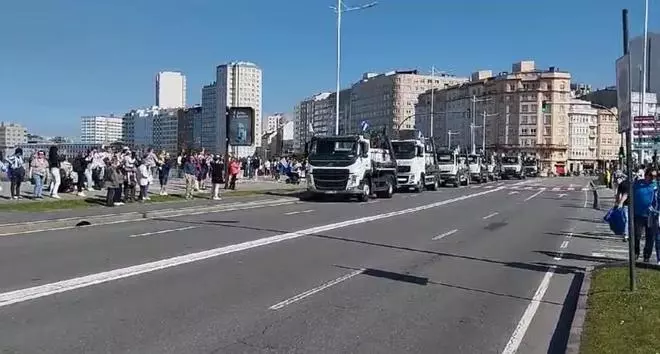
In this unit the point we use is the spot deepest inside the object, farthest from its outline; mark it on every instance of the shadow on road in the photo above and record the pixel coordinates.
(562, 331)
(578, 257)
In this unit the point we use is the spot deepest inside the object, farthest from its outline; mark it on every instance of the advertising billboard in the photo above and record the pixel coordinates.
(241, 126)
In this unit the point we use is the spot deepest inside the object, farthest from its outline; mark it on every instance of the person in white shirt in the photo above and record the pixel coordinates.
(143, 180)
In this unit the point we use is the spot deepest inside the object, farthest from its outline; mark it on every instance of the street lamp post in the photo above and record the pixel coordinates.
(339, 9)
(473, 124)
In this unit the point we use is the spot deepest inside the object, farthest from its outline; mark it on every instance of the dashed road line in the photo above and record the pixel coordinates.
(441, 236)
(163, 231)
(490, 215)
(535, 194)
(299, 212)
(513, 192)
(313, 291)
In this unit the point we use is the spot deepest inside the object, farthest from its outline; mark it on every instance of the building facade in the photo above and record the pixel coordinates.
(152, 128)
(273, 122)
(101, 129)
(316, 116)
(170, 90)
(652, 60)
(238, 84)
(68, 150)
(210, 124)
(190, 128)
(609, 140)
(582, 136)
(12, 135)
(509, 107)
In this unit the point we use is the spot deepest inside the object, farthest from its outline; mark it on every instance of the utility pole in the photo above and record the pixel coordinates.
(472, 114)
(449, 134)
(432, 97)
(628, 132)
(483, 134)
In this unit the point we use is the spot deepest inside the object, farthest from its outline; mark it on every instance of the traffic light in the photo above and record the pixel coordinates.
(545, 106)
(622, 154)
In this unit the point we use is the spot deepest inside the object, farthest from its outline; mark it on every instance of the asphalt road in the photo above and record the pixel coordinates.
(469, 270)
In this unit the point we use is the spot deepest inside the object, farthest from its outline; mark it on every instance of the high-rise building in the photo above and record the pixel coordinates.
(652, 60)
(101, 129)
(210, 125)
(582, 136)
(511, 107)
(273, 122)
(316, 116)
(11, 136)
(170, 90)
(238, 84)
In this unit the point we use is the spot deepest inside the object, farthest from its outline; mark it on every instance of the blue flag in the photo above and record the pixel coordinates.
(364, 125)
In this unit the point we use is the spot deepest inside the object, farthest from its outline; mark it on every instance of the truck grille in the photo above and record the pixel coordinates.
(330, 179)
(403, 169)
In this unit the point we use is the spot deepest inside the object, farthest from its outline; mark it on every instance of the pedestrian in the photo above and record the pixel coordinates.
(645, 212)
(164, 173)
(623, 201)
(54, 167)
(16, 171)
(112, 182)
(234, 170)
(79, 167)
(217, 174)
(143, 179)
(38, 173)
(130, 175)
(189, 173)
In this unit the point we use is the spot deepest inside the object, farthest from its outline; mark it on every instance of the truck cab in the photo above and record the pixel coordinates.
(490, 164)
(511, 167)
(416, 167)
(451, 169)
(351, 165)
(530, 167)
(477, 170)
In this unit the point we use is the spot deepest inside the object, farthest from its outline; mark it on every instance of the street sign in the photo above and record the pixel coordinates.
(623, 84)
(241, 126)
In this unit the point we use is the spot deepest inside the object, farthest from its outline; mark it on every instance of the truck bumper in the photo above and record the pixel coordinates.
(406, 181)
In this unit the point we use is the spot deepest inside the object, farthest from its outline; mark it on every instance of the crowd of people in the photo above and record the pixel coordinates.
(128, 175)
(646, 208)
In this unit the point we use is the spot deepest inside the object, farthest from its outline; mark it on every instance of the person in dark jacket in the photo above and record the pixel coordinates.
(54, 168)
(79, 167)
(217, 176)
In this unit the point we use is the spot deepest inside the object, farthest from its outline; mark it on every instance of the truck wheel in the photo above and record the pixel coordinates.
(366, 191)
(456, 184)
(420, 184)
(389, 190)
(434, 186)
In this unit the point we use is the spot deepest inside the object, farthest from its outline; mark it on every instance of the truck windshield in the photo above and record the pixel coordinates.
(510, 160)
(472, 159)
(529, 163)
(404, 149)
(445, 158)
(333, 148)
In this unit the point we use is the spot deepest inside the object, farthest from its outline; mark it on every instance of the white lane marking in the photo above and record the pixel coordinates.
(313, 291)
(535, 194)
(164, 231)
(570, 189)
(490, 215)
(248, 205)
(441, 236)
(513, 192)
(35, 292)
(561, 195)
(557, 258)
(564, 244)
(518, 334)
(614, 250)
(585, 189)
(528, 188)
(299, 212)
(556, 189)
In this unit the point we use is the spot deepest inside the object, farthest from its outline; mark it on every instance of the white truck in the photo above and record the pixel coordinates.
(351, 165)
(530, 166)
(416, 165)
(478, 173)
(452, 170)
(511, 167)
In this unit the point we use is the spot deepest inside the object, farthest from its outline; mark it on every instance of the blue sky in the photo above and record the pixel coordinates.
(61, 59)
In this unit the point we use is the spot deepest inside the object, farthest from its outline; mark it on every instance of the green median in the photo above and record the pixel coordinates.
(620, 321)
(65, 204)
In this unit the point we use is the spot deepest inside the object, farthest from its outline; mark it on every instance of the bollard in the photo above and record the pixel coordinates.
(595, 192)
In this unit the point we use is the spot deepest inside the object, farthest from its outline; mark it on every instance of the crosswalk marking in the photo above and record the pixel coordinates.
(556, 189)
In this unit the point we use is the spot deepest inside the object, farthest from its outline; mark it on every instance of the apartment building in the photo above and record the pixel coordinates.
(210, 124)
(151, 128)
(273, 122)
(101, 129)
(238, 84)
(582, 136)
(11, 136)
(190, 128)
(509, 108)
(170, 89)
(389, 100)
(316, 116)
(609, 140)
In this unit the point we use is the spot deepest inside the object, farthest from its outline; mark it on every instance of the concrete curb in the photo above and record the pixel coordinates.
(107, 219)
(575, 335)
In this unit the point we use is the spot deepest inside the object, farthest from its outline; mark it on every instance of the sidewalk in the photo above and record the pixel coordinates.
(73, 206)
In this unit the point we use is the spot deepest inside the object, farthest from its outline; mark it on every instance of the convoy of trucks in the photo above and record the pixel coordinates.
(374, 166)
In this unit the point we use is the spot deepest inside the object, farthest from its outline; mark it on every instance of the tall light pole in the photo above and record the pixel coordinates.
(473, 125)
(339, 9)
(642, 79)
(432, 97)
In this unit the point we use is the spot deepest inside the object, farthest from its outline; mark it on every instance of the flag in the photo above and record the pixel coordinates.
(364, 125)
(310, 127)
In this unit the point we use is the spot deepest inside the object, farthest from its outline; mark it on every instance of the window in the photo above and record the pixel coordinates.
(534, 107)
(524, 108)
